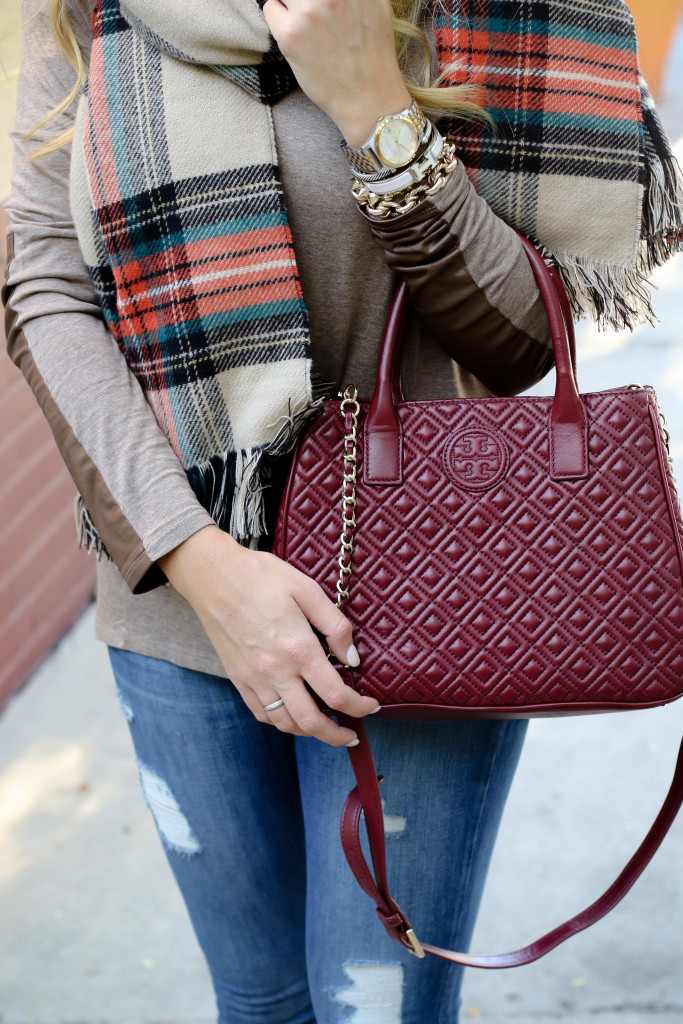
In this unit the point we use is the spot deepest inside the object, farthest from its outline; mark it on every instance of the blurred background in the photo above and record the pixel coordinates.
(45, 581)
(92, 927)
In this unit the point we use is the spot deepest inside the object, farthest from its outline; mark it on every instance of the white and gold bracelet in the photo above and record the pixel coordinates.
(380, 200)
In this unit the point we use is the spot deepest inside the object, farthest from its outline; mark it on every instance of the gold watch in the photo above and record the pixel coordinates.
(394, 143)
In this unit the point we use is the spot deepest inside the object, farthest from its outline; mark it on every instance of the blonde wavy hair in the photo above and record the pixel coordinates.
(412, 50)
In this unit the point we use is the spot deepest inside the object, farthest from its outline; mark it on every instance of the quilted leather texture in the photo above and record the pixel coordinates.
(520, 594)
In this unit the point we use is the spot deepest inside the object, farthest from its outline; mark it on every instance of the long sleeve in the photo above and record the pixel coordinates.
(131, 481)
(470, 281)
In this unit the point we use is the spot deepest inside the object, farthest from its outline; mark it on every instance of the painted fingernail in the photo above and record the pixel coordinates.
(352, 657)
(353, 743)
(375, 710)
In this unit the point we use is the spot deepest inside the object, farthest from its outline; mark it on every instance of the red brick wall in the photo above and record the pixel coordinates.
(45, 580)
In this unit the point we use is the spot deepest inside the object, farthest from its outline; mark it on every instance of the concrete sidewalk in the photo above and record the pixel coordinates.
(93, 930)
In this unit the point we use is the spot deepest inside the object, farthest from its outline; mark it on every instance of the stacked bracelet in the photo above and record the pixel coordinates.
(379, 200)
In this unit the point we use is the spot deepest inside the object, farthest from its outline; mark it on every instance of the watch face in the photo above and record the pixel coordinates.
(397, 141)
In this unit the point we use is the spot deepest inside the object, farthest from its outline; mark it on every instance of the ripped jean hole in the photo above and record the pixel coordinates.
(126, 709)
(375, 992)
(394, 824)
(173, 826)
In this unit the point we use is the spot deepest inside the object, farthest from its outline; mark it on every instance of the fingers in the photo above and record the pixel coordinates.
(329, 620)
(272, 12)
(255, 705)
(283, 721)
(301, 716)
(316, 669)
(279, 717)
(330, 686)
(268, 646)
(313, 723)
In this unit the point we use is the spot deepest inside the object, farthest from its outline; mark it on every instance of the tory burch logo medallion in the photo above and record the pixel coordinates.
(475, 459)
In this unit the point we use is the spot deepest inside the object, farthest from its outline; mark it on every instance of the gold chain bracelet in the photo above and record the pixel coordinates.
(393, 203)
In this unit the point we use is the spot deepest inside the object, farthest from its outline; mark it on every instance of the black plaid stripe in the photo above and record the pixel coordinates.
(147, 237)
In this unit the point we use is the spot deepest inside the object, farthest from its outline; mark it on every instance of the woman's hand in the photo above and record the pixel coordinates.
(344, 58)
(257, 611)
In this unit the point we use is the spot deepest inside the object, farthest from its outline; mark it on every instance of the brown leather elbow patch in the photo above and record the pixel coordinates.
(475, 333)
(123, 545)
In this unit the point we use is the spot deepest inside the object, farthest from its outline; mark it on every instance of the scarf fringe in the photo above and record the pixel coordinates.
(662, 214)
(88, 537)
(231, 485)
(617, 297)
(620, 297)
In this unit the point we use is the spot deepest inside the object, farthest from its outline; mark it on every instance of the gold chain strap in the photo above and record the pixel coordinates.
(349, 407)
(665, 429)
(401, 202)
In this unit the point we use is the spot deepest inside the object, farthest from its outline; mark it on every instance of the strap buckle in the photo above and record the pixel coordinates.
(415, 947)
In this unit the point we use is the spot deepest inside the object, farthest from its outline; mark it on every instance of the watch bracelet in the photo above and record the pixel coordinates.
(414, 172)
(395, 203)
(368, 177)
(366, 164)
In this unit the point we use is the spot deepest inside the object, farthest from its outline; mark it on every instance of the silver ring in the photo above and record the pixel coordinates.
(275, 704)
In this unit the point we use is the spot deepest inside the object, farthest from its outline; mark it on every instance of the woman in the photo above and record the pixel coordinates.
(177, 335)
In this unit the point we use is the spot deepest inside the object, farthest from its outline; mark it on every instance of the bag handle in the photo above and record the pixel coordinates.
(568, 425)
(366, 798)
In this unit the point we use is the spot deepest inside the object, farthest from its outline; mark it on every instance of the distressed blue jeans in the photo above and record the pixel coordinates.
(249, 816)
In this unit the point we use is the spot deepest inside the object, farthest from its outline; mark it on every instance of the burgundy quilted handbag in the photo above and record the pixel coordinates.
(497, 557)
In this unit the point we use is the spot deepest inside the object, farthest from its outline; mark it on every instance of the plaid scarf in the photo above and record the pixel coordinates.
(578, 160)
(186, 236)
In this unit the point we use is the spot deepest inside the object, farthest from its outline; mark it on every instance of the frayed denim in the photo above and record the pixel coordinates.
(249, 820)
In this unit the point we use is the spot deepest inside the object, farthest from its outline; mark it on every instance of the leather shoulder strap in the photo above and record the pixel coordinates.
(365, 798)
